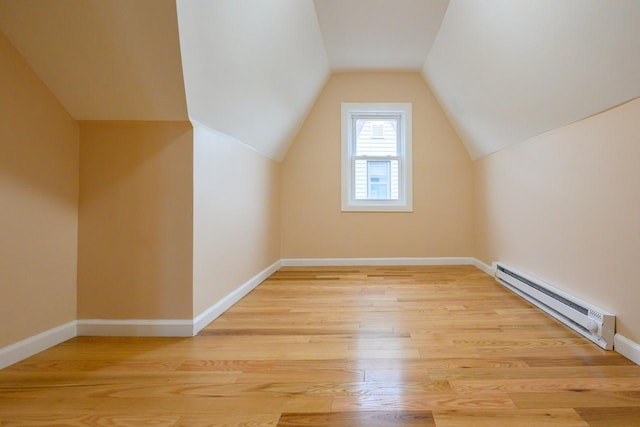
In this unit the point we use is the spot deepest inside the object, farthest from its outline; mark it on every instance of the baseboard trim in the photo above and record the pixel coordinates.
(135, 328)
(489, 269)
(21, 350)
(213, 312)
(350, 262)
(627, 348)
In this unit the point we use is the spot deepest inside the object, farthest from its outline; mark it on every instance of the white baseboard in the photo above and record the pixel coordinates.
(490, 270)
(213, 312)
(28, 347)
(627, 348)
(135, 328)
(350, 262)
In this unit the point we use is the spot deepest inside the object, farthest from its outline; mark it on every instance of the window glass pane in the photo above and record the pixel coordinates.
(379, 180)
(376, 137)
(376, 179)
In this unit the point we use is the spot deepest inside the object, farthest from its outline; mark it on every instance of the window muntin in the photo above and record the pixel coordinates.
(376, 142)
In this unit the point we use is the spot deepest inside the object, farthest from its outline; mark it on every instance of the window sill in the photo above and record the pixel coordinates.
(376, 208)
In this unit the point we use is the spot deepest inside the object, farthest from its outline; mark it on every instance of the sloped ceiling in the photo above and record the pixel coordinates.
(507, 70)
(103, 59)
(253, 68)
(379, 34)
(503, 70)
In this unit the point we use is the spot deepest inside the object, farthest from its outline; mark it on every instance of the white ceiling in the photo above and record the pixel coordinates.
(503, 70)
(253, 68)
(379, 34)
(507, 70)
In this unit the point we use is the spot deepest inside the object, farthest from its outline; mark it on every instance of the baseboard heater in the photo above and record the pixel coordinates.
(592, 322)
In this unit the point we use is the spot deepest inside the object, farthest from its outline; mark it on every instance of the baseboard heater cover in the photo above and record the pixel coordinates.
(586, 319)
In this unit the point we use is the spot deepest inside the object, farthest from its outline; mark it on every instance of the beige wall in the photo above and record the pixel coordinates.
(236, 216)
(135, 223)
(565, 207)
(441, 222)
(104, 60)
(38, 204)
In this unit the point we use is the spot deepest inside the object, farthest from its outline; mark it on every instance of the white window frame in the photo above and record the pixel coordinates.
(404, 203)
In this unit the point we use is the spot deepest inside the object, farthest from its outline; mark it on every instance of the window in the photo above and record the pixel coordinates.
(376, 157)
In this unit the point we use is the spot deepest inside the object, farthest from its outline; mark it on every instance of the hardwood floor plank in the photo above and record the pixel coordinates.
(421, 402)
(94, 365)
(378, 388)
(196, 365)
(84, 420)
(240, 419)
(397, 375)
(359, 419)
(610, 416)
(563, 417)
(305, 404)
(452, 374)
(303, 375)
(19, 382)
(144, 406)
(546, 385)
(437, 362)
(575, 399)
(609, 359)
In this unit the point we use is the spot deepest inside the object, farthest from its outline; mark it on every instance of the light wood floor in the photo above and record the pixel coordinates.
(410, 346)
